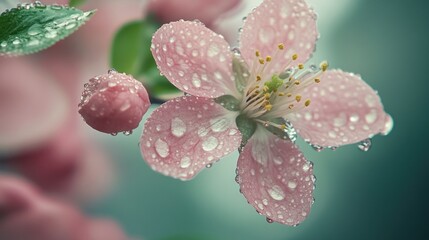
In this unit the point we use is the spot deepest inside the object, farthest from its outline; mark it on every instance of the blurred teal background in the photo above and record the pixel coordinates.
(380, 194)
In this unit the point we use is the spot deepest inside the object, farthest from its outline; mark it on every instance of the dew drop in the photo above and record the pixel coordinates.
(178, 127)
(269, 220)
(371, 117)
(276, 193)
(388, 126)
(128, 133)
(219, 125)
(292, 184)
(365, 145)
(196, 81)
(354, 118)
(185, 162)
(3, 44)
(33, 42)
(113, 134)
(210, 144)
(213, 50)
(51, 34)
(70, 26)
(34, 30)
(16, 42)
(317, 148)
(162, 148)
(209, 165)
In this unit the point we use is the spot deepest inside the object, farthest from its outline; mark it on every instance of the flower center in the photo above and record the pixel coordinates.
(271, 94)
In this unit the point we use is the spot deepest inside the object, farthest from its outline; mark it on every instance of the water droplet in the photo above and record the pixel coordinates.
(237, 179)
(113, 134)
(178, 127)
(209, 165)
(128, 133)
(388, 125)
(292, 184)
(290, 131)
(306, 167)
(51, 34)
(185, 162)
(269, 220)
(354, 118)
(3, 44)
(71, 25)
(196, 81)
(219, 124)
(371, 117)
(317, 148)
(162, 148)
(33, 42)
(365, 145)
(276, 193)
(213, 50)
(125, 106)
(210, 144)
(16, 42)
(34, 30)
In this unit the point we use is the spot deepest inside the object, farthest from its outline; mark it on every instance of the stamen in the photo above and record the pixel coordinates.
(295, 57)
(307, 103)
(268, 59)
(317, 80)
(261, 61)
(281, 46)
(298, 98)
(258, 54)
(301, 66)
(324, 66)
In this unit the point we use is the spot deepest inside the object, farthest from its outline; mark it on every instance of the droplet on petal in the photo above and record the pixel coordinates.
(113, 103)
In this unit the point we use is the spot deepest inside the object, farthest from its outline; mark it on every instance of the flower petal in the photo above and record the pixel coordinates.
(204, 10)
(343, 110)
(184, 135)
(194, 58)
(276, 179)
(290, 22)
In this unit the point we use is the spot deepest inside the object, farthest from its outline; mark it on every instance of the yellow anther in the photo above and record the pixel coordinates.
(298, 98)
(257, 91)
(295, 57)
(289, 95)
(257, 53)
(317, 80)
(283, 127)
(324, 65)
(267, 96)
(258, 78)
(266, 88)
(291, 106)
(268, 107)
(307, 103)
(261, 61)
(268, 59)
(281, 94)
(281, 46)
(301, 66)
(297, 82)
(257, 86)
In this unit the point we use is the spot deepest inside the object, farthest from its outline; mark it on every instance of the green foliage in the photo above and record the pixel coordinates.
(30, 28)
(75, 3)
(247, 127)
(131, 54)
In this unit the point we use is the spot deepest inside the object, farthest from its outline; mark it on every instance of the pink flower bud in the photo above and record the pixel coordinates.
(113, 103)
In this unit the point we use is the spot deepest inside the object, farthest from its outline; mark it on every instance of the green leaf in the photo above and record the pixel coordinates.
(33, 27)
(131, 54)
(131, 47)
(247, 127)
(229, 102)
(241, 73)
(75, 3)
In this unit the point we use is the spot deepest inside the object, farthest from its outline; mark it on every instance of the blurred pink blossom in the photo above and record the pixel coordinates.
(207, 11)
(26, 214)
(258, 91)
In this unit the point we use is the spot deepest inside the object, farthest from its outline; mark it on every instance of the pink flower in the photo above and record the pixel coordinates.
(254, 100)
(113, 103)
(206, 11)
(26, 214)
